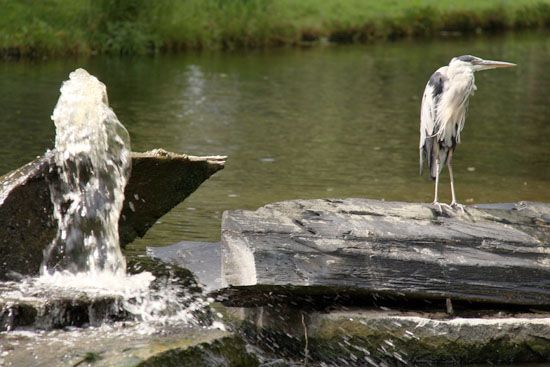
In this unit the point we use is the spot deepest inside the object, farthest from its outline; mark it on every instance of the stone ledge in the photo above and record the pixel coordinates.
(496, 254)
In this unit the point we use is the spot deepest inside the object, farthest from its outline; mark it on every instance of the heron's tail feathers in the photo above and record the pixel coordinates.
(431, 152)
(426, 153)
(433, 170)
(441, 157)
(421, 162)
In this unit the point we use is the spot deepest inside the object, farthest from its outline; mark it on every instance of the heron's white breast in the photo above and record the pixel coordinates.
(453, 104)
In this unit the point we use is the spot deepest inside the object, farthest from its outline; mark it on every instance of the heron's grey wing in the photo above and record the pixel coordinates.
(429, 122)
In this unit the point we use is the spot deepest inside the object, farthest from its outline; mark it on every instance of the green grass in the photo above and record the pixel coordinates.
(59, 27)
(29, 27)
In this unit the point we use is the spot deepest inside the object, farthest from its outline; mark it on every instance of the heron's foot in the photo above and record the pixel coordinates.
(456, 205)
(440, 206)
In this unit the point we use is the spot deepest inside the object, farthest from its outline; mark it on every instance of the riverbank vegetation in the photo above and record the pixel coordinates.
(81, 27)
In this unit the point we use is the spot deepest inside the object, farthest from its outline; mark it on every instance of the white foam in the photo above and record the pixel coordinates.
(104, 282)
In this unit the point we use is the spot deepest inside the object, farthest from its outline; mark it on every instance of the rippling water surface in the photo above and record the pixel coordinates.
(337, 121)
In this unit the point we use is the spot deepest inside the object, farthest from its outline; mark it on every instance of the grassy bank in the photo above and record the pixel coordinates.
(61, 27)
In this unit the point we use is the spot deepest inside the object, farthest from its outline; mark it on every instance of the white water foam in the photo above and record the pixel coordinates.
(99, 283)
(170, 303)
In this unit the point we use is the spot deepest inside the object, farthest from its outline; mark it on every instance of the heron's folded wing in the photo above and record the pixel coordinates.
(429, 123)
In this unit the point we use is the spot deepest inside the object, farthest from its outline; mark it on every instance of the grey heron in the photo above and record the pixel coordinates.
(443, 112)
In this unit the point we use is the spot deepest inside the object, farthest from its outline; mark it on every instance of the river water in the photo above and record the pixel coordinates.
(327, 121)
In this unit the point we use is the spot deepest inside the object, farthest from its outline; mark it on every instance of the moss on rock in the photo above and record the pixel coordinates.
(227, 352)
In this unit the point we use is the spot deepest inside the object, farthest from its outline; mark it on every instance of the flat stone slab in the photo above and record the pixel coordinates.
(122, 345)
(159, 181)
(496, 254)
(392, 338)
(426, 340)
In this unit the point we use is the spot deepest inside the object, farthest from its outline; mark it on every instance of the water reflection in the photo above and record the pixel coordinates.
(306, 123)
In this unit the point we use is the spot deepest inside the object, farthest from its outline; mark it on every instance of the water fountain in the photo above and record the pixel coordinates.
(92, 162)
(92, 154)
(83, 279)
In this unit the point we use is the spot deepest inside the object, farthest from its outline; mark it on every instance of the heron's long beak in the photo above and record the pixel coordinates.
(490, 64)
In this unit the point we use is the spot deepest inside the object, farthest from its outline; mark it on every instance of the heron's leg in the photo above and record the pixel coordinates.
(437, 203)
(450, 168)
(436, 179)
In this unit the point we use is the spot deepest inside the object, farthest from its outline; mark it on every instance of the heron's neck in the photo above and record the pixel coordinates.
(460, 71)
(462, 78)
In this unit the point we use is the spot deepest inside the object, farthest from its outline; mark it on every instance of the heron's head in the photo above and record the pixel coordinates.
(476, 64)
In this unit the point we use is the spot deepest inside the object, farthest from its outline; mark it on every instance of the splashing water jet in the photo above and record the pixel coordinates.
(92, 164)
(92, 155)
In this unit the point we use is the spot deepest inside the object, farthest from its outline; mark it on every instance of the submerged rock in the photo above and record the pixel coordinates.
(371, 249)
(159, 181)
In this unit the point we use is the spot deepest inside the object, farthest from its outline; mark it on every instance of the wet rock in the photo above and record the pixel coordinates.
(171, 276)
(121, 345)
(497, 254)
(163, 272)
(25, 305)
(26, 223)
(159, 181)
(393, 338)
(228, 352)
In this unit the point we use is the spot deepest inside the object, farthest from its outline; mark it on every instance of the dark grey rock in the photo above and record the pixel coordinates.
(159, 181)
(392, 338)
(489, 254)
